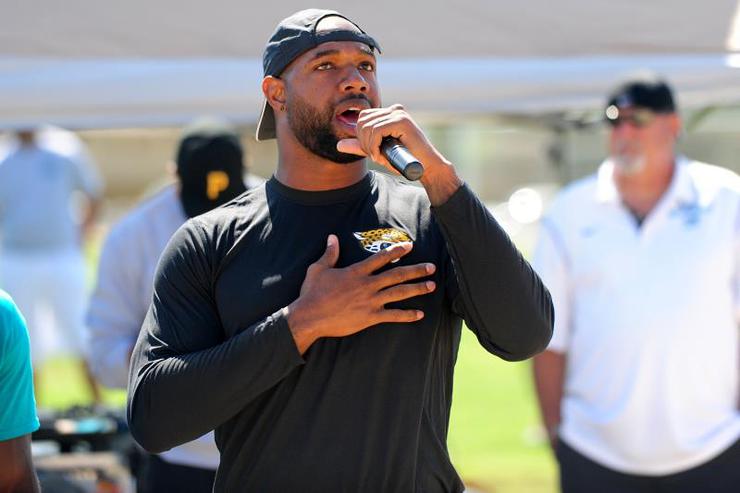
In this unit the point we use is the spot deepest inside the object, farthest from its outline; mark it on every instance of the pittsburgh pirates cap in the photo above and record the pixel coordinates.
(294, 36)
(210, 165)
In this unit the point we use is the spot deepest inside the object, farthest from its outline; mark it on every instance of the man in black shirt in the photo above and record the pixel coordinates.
(314, 322)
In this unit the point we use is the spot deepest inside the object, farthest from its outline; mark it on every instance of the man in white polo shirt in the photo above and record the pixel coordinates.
(639, 386)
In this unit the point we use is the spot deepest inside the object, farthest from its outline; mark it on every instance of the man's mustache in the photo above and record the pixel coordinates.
(355, 97)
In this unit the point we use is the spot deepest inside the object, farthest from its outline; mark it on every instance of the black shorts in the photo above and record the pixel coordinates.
(578, 474)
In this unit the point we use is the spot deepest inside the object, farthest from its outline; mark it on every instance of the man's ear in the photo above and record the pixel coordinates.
(676, 125)
(274, 90)
(171, 169)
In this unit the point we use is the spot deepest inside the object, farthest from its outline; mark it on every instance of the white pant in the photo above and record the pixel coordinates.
(49, 289)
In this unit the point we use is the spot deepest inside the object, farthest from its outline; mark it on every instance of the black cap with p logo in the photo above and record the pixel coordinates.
(210, 166)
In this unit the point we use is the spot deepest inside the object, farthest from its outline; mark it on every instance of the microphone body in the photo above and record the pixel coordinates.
(401, 159)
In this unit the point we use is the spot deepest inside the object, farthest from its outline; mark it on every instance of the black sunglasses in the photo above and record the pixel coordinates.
(637, 117)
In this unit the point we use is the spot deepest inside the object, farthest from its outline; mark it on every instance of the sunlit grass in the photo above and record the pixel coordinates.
(62, 385)
(495, 439)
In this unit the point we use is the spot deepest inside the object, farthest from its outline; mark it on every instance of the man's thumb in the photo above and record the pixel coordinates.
(331, 254)
(350, 146)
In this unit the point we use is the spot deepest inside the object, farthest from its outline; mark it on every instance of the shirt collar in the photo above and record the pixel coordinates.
(606, 190)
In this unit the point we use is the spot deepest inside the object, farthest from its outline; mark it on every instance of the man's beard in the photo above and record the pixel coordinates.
(629, 165)
(629, 160)
(313, 130)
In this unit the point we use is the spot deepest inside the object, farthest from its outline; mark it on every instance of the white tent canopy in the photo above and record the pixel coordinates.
(91, 64)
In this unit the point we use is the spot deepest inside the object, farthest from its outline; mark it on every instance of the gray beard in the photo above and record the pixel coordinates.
(629, 165)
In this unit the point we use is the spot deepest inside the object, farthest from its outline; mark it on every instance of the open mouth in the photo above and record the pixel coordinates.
(349, 116)
(348, 111)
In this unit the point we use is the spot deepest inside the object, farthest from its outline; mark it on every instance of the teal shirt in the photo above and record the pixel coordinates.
(17, 404)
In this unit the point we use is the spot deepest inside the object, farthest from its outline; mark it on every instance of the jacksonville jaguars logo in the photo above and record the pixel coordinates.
(376, 240)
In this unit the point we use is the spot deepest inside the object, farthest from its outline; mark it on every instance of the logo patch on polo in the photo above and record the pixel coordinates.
(376, 240)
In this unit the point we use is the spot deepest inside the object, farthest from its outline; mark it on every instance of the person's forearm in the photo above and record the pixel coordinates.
(16, 473)
(505, 302)
(28, 483)
(549, 375)
(90, 214)
(176, 399)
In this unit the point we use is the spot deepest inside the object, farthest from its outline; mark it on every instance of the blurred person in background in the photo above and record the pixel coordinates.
(639, 385)
(17, 406)
(209, 172)
(43, 224)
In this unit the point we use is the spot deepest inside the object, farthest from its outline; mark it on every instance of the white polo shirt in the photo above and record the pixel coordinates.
(648, 319)
(121, 299)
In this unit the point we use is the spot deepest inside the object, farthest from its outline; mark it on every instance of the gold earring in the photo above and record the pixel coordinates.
(282, 107)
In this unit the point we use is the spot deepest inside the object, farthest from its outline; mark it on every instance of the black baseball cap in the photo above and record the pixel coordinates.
(294, 36)
(645, 90)
(210, 165)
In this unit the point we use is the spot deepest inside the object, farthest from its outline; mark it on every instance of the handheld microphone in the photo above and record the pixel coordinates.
(401, 159)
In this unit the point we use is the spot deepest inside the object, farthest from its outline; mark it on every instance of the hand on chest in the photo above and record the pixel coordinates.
(267, 272)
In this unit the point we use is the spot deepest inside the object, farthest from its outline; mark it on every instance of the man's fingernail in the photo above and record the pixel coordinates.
(430, 268)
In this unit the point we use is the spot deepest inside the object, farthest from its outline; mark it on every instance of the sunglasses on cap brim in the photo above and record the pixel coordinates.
(637, 117)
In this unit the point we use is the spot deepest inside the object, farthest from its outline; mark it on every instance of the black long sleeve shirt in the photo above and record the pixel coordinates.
(367, 412)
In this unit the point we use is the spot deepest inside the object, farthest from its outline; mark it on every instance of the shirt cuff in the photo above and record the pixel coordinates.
(454, 208)
(286, 342)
